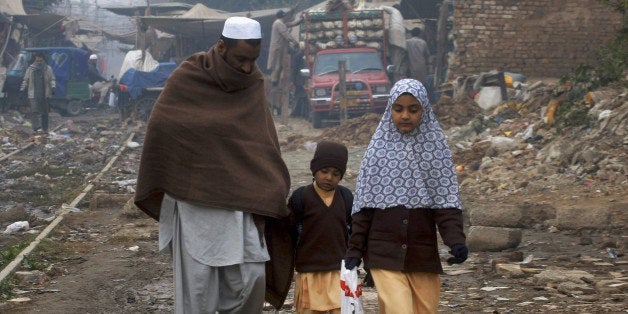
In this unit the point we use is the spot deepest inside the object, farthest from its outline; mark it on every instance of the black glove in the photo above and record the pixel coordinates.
(460, 253)
(351, 262)
(54, 90)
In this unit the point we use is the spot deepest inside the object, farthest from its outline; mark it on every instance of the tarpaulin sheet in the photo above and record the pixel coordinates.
(136, 81)
(12, 7)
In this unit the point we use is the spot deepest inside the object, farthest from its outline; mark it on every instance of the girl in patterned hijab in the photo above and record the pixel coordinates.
(407, 189)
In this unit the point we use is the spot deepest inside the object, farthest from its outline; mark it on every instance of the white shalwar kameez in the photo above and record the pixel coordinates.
(218, 259)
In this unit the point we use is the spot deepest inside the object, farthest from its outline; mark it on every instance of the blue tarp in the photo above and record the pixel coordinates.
(68, 65)
(136, 81)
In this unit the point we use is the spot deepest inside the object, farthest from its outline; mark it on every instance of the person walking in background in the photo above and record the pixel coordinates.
(41, 84)
(211, 172)
(279, 62)
(321, 215)
(279, 54)
(406, 190)
(418, 56)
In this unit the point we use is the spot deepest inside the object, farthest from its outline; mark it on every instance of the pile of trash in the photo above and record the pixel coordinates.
(532, 131)
(352, 132)
(539, 132)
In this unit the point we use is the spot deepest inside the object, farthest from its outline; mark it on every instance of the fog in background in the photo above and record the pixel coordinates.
(92, 13)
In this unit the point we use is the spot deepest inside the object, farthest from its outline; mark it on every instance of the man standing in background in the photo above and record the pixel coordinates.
(41, 84)
(279, 61)
(418, 56)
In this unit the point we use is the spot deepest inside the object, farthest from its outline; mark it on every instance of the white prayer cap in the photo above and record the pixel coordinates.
(238, 27)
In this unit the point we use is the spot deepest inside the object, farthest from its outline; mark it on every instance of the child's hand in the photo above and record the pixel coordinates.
(351, 262)
(460, 253)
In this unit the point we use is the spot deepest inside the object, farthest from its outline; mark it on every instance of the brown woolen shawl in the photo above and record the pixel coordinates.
(211, 140)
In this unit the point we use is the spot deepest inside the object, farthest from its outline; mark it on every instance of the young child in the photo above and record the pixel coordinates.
(407, 189)
(321, 218)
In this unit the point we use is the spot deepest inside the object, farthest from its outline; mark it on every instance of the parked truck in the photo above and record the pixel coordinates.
(359, 39)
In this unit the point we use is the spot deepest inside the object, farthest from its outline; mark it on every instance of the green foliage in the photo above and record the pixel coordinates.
(6, 289)
(612, 62)
(9, 253)
(613, 58)
(34, 263)
(573, 114)
(620, 6)
(584, 79)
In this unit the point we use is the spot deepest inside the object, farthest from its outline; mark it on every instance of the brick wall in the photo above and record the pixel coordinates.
(537, 38)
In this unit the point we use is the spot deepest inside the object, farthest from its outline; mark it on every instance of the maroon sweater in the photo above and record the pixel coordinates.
(323, 241)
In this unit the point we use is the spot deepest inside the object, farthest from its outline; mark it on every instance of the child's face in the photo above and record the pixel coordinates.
(327, 178)
(406, 113)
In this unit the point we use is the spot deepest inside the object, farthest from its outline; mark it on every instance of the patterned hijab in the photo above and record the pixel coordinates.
(413, 169)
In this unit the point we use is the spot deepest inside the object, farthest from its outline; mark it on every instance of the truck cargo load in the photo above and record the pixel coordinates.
(358, 38)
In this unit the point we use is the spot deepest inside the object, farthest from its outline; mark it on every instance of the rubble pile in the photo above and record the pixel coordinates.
(352, 132)
(504, 155)
(455, 112)
(504, 149)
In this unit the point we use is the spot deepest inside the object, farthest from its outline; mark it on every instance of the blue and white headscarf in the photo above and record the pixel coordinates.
(413, 169)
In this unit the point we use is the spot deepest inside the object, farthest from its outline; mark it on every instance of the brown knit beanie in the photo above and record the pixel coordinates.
(330, 154)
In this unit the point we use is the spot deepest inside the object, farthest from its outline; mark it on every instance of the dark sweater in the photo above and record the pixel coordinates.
(323, 239)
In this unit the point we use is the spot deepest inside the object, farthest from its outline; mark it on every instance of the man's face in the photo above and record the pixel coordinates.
(241, 57)
(39, 59)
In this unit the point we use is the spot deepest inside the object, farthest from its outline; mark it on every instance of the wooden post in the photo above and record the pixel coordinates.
(342, 65)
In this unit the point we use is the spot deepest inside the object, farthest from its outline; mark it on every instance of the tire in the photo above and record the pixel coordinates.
(73, 108)
(143, 107)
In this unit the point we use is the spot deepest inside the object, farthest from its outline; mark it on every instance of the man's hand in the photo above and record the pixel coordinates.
(460, 253)
(54, 90)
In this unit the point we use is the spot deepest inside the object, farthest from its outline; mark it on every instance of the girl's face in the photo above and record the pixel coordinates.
(406, 113)
(327, 178)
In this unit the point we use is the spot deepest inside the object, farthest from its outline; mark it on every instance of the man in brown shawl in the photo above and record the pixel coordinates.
(211, 171)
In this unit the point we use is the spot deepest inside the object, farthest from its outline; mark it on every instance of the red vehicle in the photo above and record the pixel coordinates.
(359, 39)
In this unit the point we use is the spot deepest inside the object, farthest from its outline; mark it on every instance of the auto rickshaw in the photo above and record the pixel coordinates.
(69, 65)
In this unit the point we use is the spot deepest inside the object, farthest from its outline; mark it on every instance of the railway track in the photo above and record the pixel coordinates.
(52, 175)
